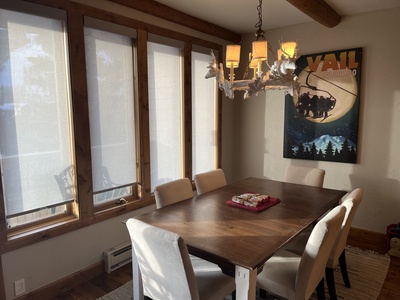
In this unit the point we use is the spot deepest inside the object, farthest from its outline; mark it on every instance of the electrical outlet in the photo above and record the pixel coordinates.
(19, 287)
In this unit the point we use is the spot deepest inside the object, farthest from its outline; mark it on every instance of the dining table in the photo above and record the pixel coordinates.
(237, 238)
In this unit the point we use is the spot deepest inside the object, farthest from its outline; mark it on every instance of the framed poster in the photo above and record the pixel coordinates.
(321, 122)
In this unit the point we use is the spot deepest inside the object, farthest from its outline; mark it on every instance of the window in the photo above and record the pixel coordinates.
(167, 142)
(35, 117)
(110, 73)
(75, 137)
(204, 116)
(165, 112)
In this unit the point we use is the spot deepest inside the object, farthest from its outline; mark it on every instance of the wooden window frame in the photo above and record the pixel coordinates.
(83, 213)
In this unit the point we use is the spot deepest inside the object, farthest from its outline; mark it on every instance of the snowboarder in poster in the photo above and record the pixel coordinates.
(321, 121)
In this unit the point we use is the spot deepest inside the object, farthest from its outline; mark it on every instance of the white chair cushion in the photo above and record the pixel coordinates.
(279, 274)
(210, 275)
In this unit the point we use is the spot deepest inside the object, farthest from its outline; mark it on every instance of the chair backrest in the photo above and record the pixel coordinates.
(66, 184)
(305, 176)
(209, 181)
(316, 253)
(164, 262)
(351, 202)
(172, 192)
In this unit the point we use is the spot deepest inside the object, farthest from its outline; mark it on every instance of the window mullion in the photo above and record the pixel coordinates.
(143, 91)
(187, 109)
(81, 117)
(3, 221)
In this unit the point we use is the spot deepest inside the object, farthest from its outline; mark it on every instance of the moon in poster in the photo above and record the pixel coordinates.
(335, 89)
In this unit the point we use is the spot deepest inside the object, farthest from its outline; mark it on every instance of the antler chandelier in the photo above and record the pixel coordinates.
(279, 76)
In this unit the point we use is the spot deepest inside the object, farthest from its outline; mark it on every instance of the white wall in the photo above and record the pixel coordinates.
(260, 120)
(43, 263)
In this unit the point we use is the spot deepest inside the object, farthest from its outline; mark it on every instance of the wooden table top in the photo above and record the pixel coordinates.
(232, 236)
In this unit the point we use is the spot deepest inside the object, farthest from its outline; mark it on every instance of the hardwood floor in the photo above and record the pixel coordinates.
(105, 283)
(377, 242)
(99, 286)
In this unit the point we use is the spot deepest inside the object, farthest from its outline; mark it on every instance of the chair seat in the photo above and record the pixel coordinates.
(209, 274)
(279, 274)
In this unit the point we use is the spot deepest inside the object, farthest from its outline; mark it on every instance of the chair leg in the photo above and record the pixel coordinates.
(330, 281)
(343, 269)
(321, 290)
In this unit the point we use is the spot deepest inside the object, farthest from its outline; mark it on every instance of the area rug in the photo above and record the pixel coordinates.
(367, 271)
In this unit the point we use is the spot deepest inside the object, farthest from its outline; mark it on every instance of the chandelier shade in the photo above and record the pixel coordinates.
(260, 50)
(281, 75)
(232, 56)
(288, 50)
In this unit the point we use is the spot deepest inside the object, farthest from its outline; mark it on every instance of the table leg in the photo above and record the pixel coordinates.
(245, 280)
(137, 278)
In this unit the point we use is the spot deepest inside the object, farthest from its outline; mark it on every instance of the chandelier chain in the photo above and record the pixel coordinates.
(259, 10)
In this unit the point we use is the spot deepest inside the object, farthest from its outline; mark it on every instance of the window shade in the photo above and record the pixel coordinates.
(111, 108)
(165, 113)
(204, 101)
(35, 133)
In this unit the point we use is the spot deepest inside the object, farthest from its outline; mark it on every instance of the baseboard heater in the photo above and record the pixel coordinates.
(117, 256)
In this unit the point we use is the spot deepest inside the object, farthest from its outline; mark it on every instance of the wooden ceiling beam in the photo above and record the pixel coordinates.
(170, 14)
(318, 10)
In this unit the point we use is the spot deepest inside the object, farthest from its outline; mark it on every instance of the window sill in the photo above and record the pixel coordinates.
(24, 237)
(17, 234)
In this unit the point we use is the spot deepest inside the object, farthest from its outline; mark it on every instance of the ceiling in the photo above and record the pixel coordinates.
(240, 16)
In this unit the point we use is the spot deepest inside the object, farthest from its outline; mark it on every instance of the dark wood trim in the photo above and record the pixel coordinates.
(2, 286)
(144, 118)
(187, 108)
(318, 10)
(167, 13)
(125, 21)
(65, 284)
(219, 116)
(3, 220)
(80, 107)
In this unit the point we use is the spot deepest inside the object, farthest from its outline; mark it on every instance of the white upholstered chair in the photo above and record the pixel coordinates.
(172, 192)
(338, 253)
(295, 276)
(209, 181)
(305, 176)
(168, 272)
